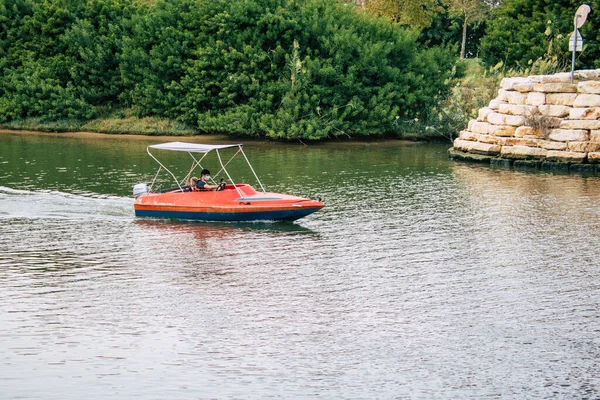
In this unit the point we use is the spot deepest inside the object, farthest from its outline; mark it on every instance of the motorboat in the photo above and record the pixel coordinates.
(229, 202)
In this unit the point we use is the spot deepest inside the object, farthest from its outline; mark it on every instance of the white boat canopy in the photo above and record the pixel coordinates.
(199, 148)
(192, 147)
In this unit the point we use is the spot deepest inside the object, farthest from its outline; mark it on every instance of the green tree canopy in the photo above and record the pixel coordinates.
(282, 68)
(58, 58)
(307, 69)
(524, 30)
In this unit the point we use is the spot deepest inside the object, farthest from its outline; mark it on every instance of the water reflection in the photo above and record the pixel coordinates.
(531, 200)
(209, 229)
(422, 278)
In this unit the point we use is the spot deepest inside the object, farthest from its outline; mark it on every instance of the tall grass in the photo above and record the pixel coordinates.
(117, 122)
(475, 90)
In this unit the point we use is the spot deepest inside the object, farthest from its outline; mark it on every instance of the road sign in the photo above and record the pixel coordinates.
(581, 15)
(576, 41)
(576, 46)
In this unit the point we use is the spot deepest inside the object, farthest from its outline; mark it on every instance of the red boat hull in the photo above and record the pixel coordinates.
(231, 204)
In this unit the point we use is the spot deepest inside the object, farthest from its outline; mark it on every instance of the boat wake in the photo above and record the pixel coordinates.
(16, 203)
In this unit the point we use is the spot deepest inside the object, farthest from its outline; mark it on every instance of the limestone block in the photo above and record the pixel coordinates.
(584, 113)
(594, 157)
(506, 151)
(523, 87)
(494, 104)
(513, 109)
(564, 77)
(480, 127)
(583, 147)
(513, 97)
(587, 100)
(535, 99)
(496, 118)
(509, 83)
(554, 110)
(492, 139)
(565, 156)
(461, 144)
(580, 124)
(502, 95)
(567, 135)
(592, 87)
(510, 109)
(483, 113)
(555, 87)
(565, 99)
(502, 130)
(551, 145)
(468, 135)
(529, 142)
(587, 74)
(522, 152)
(595, 136)
(524, 130)
(477, 147)
(515, 120)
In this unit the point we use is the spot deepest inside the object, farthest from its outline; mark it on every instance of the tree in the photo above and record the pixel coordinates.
(470, 11)
(291, 69)
(522, 31)
(416, 13)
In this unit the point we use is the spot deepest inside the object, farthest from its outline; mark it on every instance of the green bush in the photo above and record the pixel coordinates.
(522, 31)
(310, 69)
(59, 58)
(304, 69)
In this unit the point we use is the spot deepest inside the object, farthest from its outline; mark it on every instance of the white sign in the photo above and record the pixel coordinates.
(581, 15)
(576, 41)
(576, 46)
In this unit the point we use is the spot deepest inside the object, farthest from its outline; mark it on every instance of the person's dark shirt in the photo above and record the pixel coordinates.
(200, 184)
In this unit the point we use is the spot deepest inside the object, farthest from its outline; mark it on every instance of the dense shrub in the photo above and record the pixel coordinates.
(58, 58)
(522, 31)
(307, 69)
(310, 69)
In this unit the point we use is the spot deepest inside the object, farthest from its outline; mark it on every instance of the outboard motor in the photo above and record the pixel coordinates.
(140, 189)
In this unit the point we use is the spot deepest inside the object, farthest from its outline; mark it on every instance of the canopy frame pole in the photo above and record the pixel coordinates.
(252, 169)
(227, 173)
(227, 163)
(155, 176)
(195, 164)
(574, 50)
(166, 169)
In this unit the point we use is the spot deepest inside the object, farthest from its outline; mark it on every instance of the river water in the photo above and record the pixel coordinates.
(422, 278)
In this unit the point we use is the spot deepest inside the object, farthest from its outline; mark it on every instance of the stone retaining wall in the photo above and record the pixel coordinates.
(539, 119)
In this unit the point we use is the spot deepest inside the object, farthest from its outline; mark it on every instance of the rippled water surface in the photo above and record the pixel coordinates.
(422, 278)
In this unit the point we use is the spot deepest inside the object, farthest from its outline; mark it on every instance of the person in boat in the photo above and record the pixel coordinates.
(202, 183)
(192, 186)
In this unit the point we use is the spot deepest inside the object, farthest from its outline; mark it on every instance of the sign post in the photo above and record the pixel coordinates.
(576, 40)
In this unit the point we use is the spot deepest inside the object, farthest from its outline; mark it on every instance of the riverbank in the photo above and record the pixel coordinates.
(124, 124)
(205, 138)
(101, 135)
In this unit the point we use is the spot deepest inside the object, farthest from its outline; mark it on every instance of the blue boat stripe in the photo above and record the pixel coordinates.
(281, 215)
